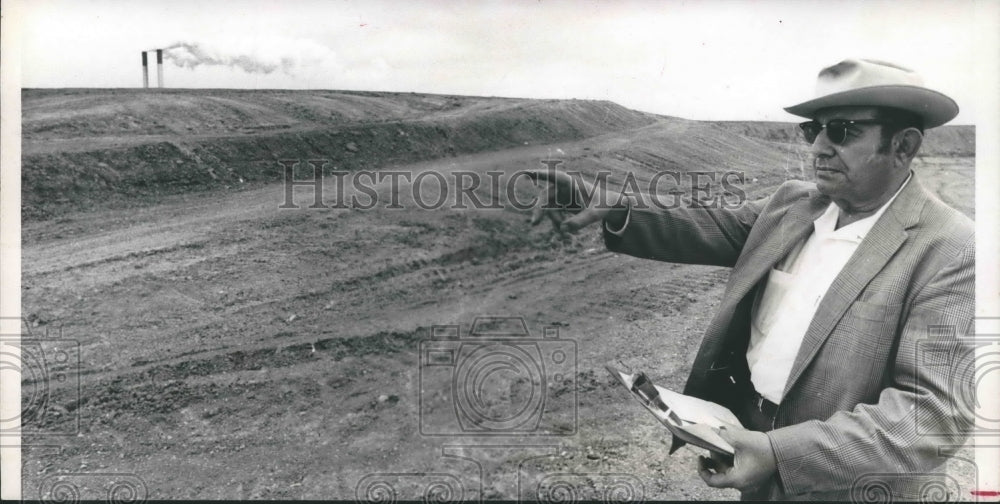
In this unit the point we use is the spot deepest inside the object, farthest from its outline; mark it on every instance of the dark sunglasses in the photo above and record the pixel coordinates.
(836, 129)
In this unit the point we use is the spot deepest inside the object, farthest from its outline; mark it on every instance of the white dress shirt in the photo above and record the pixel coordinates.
(784, 309)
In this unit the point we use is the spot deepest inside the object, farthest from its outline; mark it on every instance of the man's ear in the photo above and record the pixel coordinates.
(906, 144)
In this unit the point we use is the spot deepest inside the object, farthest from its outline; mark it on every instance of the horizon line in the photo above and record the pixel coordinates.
(159, 90)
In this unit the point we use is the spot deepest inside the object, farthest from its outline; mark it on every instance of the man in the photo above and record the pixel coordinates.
(839, 289)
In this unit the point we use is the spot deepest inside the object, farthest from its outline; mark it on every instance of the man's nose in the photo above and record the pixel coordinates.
(822, 145)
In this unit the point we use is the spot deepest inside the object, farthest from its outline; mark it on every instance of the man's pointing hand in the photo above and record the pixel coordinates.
(565, 203)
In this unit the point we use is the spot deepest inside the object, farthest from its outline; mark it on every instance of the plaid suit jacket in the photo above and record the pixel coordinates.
(878, 382)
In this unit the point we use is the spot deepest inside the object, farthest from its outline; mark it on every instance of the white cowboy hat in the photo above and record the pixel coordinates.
(861, 82)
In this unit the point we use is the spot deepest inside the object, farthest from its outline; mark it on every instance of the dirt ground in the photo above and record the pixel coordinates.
(228, 348)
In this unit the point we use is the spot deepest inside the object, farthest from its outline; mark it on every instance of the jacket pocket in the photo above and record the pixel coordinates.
(868, 329)
(874, 312)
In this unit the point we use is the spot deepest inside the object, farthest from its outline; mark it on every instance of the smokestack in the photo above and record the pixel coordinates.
(159, 68)
(145, 71)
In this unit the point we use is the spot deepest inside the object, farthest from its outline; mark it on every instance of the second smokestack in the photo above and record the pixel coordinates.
(145, 71)
(159, 68)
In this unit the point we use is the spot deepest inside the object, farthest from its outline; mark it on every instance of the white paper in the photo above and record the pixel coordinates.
(698, 411)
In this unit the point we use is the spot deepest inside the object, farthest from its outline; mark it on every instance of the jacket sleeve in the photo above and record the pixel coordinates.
(686, 234)
(926, 404)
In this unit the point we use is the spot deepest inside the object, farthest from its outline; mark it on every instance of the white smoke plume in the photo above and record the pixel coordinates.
(285, 55)
(191, 55)
(296, 62)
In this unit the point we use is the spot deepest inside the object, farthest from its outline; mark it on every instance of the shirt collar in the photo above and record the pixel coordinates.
(855, 231)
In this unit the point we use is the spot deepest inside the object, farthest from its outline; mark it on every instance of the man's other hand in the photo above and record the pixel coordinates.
(562, 200)
(753, 462)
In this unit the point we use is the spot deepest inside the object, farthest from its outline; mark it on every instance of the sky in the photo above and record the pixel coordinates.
(723, 60)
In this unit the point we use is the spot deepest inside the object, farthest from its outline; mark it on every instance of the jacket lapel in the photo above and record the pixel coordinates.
(872, 254)
(794, 227)
(754, 262)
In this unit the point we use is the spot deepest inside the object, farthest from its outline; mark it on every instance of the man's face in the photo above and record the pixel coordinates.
(854, 172)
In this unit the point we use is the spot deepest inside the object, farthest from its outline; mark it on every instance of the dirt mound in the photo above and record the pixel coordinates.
(94, 148)
(74, 113)
(86, 149)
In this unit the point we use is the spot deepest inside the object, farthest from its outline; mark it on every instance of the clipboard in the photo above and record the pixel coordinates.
(689, 419)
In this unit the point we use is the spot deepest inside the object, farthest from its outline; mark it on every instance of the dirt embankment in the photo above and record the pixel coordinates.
(92, 149)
